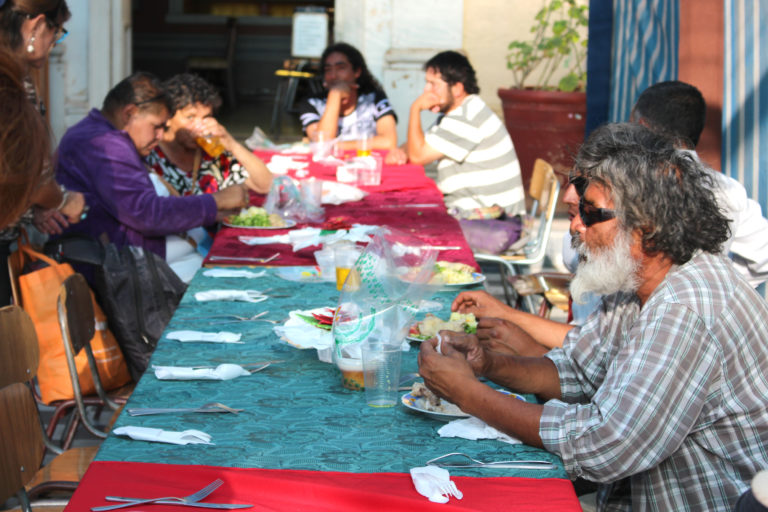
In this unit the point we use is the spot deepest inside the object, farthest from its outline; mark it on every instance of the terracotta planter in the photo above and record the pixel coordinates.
(544, 124)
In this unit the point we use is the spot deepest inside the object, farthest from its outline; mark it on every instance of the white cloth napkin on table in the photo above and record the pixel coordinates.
(210, 337)
(164, 436)
(426, 481)
(222, 372)
(281, 164)
(474, 428)
(340, 193)
(233, 295)
(227, 272)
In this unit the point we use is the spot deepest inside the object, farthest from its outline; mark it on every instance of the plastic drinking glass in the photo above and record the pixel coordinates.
(381, 371)
(312, 191)
(210, 144)
(326, 261)
(345, 258)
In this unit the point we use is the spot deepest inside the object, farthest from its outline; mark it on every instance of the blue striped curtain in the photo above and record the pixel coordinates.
(745, 96)
(645, 42)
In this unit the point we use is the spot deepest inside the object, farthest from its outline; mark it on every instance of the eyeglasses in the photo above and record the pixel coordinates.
(61, 34)
(592, 215)
(580, 182)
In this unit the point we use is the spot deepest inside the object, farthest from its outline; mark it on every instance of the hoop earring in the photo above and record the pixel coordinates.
(31, 45)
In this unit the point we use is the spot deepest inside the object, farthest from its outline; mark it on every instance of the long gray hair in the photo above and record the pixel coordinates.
(665, 193)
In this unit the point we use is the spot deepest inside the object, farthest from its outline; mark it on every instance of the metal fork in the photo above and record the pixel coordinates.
(501, 464)
(192, 498)
(217, 257)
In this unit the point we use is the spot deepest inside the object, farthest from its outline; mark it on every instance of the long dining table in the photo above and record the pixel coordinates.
(302, 440)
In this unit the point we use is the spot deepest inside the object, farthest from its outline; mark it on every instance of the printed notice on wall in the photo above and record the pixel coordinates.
(310, 34)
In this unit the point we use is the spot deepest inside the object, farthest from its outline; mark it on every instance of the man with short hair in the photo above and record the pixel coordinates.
(477, 167)
(660, 396)
(101, 156)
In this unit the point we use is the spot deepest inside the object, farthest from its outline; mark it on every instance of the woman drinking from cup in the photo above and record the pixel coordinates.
(355, 109)
(197, 154)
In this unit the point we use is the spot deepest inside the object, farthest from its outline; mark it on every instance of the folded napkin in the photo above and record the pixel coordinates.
(427, 482)
(227, 272)
(280, 164)
(233, 295)
(221, 372)
(473, 428)
(265, 240)
(339, 193)
(164, 436)
(211, 337)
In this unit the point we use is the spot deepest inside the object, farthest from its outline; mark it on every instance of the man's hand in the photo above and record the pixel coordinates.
(231, 198)
(479, 303)
(503, 336)
(396, 156)
(447, 373)
(427, 101)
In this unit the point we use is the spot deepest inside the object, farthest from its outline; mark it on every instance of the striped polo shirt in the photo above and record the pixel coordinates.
(480, 167)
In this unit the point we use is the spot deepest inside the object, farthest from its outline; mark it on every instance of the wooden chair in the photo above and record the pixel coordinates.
(19, 358)
(220, 64)
(543, 190)
(76, 320)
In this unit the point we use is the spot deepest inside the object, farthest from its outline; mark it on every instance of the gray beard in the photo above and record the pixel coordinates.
(607, 271)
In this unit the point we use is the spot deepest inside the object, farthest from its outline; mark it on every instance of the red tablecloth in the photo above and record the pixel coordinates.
(291, 490)
(400, 185)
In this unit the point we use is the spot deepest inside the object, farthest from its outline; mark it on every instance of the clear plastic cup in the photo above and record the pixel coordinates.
(381, 371)
(345, 258)
(326, 261)
(312, 191)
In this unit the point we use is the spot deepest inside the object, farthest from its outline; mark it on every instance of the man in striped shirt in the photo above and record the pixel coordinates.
(660, 397)
(477, 167)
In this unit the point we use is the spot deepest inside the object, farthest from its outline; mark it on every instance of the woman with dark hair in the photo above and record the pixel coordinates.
(354, 107)
(179, 160)
(29, 29)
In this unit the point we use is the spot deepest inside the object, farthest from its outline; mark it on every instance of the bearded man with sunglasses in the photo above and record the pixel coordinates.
(660, 396)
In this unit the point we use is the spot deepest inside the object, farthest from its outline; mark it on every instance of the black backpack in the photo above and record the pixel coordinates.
(137, 290)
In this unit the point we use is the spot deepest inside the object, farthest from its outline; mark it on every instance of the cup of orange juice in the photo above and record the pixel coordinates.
(210, 144)
(345, 258)
(352, 376)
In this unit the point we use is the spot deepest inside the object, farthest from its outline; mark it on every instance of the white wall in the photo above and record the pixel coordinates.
(94, 57)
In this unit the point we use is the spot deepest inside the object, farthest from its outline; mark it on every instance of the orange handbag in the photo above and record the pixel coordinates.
(39, 292)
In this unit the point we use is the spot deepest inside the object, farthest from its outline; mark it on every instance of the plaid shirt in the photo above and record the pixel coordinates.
(667, 405)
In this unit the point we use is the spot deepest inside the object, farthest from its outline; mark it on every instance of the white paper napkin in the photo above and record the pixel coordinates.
(210, 337)
(221, 372)
(474, 428)
(426, 481)
(281, 164)
(226, 272)
(300, 334)
(164, 436)
(232, 295)
(264, 240)
(340, 193)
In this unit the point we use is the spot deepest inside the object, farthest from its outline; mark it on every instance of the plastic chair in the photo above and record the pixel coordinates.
(544, 190)
(76, 320)
(225, 64)
(19, 358)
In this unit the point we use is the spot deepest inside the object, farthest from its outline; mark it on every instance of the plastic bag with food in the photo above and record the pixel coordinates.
(380, 296)
(285, 200)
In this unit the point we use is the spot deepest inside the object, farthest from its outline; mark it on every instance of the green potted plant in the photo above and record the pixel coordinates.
(545, 109)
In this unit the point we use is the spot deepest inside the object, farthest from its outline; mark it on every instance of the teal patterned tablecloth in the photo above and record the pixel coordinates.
(297, 415)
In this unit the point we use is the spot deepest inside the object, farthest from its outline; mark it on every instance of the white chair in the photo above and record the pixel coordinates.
(530, 250)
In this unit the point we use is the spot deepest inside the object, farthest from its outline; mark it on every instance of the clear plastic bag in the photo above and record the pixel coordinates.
(381, 294)
(285, 200)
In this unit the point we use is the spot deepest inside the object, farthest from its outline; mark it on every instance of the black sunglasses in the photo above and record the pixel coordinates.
(580, 182)
(592, 215)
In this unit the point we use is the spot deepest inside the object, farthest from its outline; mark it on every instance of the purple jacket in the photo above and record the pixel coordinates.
(101, 161)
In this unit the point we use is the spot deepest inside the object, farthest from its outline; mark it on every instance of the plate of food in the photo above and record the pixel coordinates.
(420, 399)
(431, 325)
(450, 273)
(258, 218)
